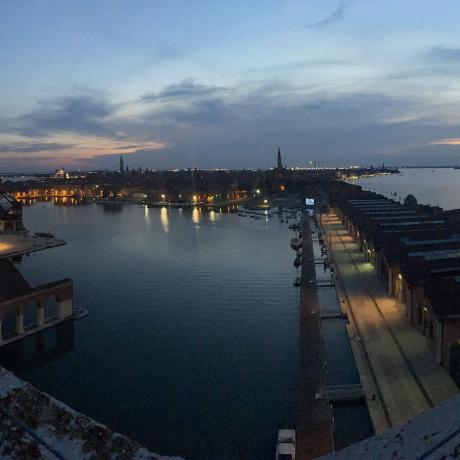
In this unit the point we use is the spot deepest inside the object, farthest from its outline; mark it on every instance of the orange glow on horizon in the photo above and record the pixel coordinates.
(447, 141)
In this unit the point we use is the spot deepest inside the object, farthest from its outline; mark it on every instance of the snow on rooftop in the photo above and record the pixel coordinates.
(434, 434)
(31, 422)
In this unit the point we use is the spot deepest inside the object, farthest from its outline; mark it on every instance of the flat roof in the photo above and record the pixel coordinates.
(391, 211)
(376, 205)
(453, 255)
(371, 200)
(417, 216)
(399, 230)
(438, 252)
(377, 208)
(364, 205)
(14, 244)
(429, 242)
(407, 224)
(445, 270)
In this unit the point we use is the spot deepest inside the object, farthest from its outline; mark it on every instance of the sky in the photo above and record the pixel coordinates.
(214, 84)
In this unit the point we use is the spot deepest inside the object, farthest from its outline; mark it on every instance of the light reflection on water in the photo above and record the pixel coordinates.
(164, 219)
(196, 215)
(191, 345)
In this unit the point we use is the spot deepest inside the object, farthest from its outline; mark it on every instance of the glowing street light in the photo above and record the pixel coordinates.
(258, 191)
(265, 201)
(163, 196)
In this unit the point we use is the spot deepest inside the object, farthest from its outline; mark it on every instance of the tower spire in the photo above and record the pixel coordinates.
(279, 164)
(122, 169)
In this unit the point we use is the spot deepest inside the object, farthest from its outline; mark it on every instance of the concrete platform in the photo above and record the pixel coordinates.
(12, 245)
(396, 361)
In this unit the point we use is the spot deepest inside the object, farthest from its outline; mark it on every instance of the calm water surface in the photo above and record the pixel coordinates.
(430, 186)
(191, 345)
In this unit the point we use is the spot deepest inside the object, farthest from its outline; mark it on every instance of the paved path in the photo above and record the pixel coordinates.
(396, 362)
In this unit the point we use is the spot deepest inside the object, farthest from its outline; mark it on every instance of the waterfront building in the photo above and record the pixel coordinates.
(10, 215)
(416, 255)
(61, 174)
(26, 309)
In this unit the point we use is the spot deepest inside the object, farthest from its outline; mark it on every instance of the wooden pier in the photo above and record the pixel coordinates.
(314, 425)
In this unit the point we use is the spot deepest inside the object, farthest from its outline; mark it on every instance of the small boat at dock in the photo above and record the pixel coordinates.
(296, 243)
(285, 446)
(45, 234)
(297, 261)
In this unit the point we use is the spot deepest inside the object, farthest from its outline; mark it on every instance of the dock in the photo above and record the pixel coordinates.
(314, 424)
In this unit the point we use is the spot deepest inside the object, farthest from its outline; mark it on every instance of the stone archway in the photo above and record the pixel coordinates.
(51, 308)
(30, 314)
(8, 323)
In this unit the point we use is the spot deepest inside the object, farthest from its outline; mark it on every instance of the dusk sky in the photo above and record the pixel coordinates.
(172, 84)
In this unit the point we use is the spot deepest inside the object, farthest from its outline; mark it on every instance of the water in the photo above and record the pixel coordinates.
(191, 345)
(430, 186)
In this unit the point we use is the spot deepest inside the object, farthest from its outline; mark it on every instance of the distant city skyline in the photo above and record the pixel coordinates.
(212, 85)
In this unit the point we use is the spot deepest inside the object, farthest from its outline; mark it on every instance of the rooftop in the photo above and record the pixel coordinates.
(422, 222)
(434, 434)
(407, 242)
(35, 425)
(399, 217)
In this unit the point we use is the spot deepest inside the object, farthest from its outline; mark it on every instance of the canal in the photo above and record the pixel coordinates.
(351, 420)
(191, 345)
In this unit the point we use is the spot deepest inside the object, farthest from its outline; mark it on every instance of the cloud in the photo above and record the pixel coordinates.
(437, 61)
(443, 54)
(400, 119)
(83, 114)
(190, 124)
(448, 141)
(336, 16)
(186, 89)
(33, 148)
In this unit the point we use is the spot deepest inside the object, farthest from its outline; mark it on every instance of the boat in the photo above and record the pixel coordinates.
(297, 282)
(296, 243)
(45, 234)
(79, 312)
(285, 446)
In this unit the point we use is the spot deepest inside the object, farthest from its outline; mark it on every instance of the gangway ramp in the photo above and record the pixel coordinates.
(341, 392)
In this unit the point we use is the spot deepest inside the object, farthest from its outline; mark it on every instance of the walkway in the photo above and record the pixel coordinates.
(395, 361)
(314, 430)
